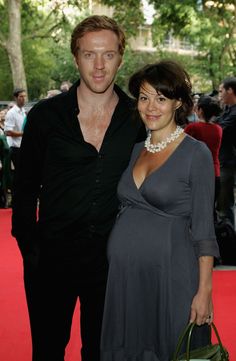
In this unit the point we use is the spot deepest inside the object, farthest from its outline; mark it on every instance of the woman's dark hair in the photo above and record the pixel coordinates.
(210, 107)
(169, 78)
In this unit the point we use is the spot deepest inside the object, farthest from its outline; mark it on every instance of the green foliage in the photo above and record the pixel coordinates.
(5, 77)
(3, 17)
(134, 60)
(209, 26)
(64, 67)
(38, 64)
(47, 25)
(46, 28)
(128, 14)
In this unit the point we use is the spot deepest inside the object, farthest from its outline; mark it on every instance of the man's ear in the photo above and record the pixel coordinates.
(75, 62)
(230, 90)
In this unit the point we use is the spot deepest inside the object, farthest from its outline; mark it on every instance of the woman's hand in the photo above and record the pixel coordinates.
(202, 308)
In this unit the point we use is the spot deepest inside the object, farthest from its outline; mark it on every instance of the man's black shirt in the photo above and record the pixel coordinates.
(75, 184)
(228, 145)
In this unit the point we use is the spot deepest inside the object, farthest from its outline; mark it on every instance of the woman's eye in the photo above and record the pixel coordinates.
(142, 98)
(161, 99)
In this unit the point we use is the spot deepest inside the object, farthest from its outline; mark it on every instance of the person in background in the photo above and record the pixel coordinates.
(13, 124)
(227, 155)
(52, 93)
(74, 149)
(208, 132)
(5, 164)
(192, 117)
(219, 97)
(215, 95)
(65, 86)
(5, 172)
(161, 248)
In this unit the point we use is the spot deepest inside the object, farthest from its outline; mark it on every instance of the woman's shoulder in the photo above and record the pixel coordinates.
(138, 146)
(137, 149)
(196, 145)
(217, 127)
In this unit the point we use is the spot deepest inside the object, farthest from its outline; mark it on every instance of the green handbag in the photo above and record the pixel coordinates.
(210, 352)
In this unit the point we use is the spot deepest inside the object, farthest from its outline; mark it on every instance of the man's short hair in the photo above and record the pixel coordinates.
(96, 23)
(230, 83)
(17, 91)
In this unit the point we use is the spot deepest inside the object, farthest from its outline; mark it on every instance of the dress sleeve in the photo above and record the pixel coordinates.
(202, 184)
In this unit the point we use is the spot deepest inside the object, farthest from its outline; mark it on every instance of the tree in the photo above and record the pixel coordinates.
(128, 14)
(209, 25)
(25, 20)
(26, 24)
(12, 43)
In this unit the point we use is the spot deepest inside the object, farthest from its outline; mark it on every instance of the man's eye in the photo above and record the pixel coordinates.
(109, 55)
(88, 55)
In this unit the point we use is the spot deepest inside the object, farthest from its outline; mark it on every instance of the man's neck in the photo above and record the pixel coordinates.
(232, 102)
(19, 106)
(95, 100)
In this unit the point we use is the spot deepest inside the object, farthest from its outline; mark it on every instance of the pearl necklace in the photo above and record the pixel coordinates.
(155, 148)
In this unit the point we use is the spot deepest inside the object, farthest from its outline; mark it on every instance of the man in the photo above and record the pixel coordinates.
(227, 156)
(74, 150)
(13, 125)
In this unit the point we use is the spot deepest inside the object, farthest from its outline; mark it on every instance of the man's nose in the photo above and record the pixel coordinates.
(99, 62)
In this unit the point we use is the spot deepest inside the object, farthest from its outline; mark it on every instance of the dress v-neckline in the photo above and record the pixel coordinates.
(155, 170)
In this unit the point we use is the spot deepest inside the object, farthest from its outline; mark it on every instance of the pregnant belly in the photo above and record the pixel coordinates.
(142, 236)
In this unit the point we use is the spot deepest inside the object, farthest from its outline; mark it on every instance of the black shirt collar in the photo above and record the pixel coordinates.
(73, 104)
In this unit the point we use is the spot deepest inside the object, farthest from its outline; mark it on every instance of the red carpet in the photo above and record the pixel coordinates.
(15, 342)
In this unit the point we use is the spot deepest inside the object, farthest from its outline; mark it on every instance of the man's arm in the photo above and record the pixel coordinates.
(13, 133)
(28, 182)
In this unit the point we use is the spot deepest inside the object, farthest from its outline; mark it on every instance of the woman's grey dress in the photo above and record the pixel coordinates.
(161, 230)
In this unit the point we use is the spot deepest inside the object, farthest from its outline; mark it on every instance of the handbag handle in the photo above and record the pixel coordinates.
(188, 333)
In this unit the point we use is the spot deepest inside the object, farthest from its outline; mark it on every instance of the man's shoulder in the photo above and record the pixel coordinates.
(123, 96)
(11, 113)
(49, 106)
(48, 103)
(233, 110)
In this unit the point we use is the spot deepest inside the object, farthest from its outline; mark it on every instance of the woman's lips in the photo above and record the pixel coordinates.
(152, 117)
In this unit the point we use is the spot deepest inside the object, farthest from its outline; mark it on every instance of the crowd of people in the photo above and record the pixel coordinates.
(129, 191)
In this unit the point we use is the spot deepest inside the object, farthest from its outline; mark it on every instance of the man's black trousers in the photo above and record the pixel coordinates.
(52, 286)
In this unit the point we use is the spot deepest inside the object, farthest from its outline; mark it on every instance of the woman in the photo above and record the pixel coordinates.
(208, 131)
(162, 246)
